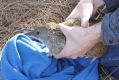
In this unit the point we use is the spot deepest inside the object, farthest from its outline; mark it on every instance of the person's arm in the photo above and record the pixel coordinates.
(111, 4)
(110, 28)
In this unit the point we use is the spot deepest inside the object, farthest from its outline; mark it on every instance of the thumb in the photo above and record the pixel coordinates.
(65, 29)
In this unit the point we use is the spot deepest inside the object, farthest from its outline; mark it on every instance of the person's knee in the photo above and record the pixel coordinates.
(110, 61)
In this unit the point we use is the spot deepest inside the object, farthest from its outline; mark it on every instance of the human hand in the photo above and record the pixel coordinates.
(84, 10)
(79, 40)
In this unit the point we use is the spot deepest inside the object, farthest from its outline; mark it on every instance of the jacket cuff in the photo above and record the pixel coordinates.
(111, 4)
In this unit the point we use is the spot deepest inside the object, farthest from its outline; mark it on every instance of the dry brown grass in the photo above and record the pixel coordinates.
(23, 15)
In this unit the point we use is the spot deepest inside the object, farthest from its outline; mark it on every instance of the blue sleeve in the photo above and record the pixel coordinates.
(110, 28)
(111, 5)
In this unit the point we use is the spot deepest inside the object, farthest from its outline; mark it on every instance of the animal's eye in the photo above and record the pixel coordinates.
(37, 33)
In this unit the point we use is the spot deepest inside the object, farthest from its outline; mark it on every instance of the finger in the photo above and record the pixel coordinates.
(74, 14)
(69, 17)
(94, 12)
(85, 23)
